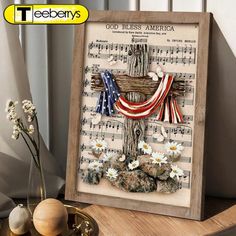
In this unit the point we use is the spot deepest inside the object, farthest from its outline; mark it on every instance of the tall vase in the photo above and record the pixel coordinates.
(36, 186)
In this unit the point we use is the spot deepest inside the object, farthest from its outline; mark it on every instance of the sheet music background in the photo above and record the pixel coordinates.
(176, 52)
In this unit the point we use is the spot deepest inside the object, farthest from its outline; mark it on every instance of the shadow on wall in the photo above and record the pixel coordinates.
(221, 118)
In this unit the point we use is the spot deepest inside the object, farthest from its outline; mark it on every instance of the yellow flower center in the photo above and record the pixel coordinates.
(99, 145)
(173, 148)
(175, 171)
(145, 146)
(158, 159)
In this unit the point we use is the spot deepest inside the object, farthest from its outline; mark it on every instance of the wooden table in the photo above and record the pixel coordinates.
(220, 220)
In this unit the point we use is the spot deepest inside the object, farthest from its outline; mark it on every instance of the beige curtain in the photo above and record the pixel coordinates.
(14, 156)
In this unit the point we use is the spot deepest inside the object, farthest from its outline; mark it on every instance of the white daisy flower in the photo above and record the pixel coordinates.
(99, 145)
(176, 172)
(174, 148)
(31, 129)
(133, 165)
(95, 165)
(112, 173)
(158, 158)
(146, 148)
(109, 156)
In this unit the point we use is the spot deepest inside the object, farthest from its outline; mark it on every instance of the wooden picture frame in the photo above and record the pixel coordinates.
(195, 207)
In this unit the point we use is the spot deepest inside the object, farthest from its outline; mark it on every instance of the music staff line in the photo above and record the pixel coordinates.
(85, 108)
(96, 70)
(156, 53)
(102, 135)
(158, 59)
(152, 48)
(103, 124)
(187, 118)
(118, 125)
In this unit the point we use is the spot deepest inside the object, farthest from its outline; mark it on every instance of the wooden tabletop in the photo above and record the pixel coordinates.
(220, 220)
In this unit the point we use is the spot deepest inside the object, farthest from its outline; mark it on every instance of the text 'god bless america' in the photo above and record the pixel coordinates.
(163, 27)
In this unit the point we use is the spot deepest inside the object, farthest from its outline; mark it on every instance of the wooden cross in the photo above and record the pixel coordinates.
(135, 86)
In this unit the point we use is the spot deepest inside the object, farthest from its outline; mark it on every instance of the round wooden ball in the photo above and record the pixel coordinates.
(50, 217)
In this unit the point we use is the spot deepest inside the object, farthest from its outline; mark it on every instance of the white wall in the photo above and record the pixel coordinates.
(60, 45)
(225, 16)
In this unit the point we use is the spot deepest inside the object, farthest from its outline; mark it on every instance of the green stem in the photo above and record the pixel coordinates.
(32, 154)
(37, 150)
(30, 138)
(42, 182)
(39, 159)
(32, 141)
(37, 127)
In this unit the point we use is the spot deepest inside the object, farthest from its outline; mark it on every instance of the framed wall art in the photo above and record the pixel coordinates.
(137, 112)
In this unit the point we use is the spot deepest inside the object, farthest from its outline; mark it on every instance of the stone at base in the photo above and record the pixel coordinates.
(117, 165)
(166, 174)
(91, 177)
(168, 186)
(154, 170)
(135, 181)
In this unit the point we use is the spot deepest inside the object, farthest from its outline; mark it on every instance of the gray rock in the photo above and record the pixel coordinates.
(135, 181)
(91, 176)
(168, 186)
(117, 165)
(154, 170)
(166, 174)
(106, 165)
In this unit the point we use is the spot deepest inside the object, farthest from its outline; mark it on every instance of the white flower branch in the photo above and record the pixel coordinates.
(19, 129)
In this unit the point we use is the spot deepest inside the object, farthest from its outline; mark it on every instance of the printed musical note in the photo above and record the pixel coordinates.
(84, 121)
(158, 54)
(182, 130)
(86, 83)
(96, 69)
